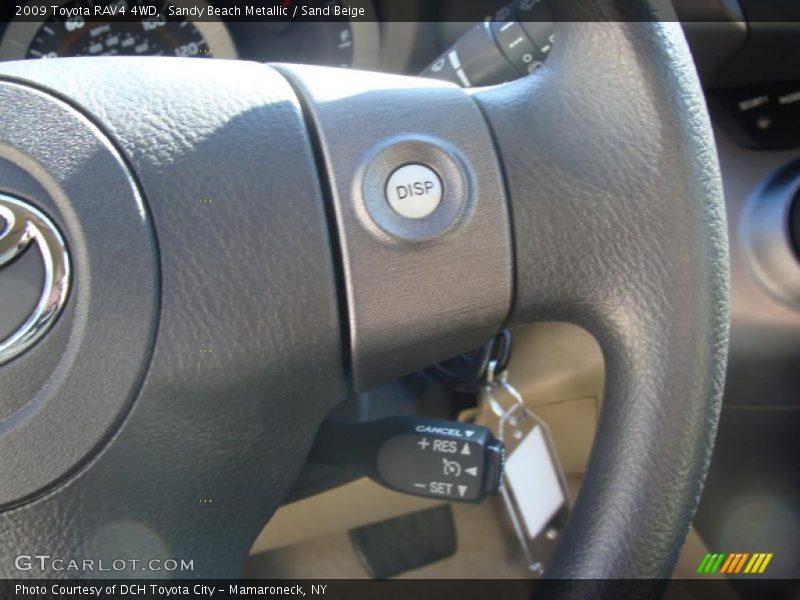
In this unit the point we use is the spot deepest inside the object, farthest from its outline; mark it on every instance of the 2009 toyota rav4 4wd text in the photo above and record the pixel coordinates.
(475, 298)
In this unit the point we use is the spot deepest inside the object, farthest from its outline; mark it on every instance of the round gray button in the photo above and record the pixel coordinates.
(414, 191)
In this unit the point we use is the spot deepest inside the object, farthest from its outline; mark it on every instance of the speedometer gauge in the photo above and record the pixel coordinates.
(338, 42)
(159, 35)
(314, 43)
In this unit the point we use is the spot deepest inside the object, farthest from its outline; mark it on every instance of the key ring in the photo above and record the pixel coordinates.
(500, 380)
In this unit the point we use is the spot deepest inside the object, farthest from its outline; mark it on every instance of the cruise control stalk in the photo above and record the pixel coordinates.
(424, 457)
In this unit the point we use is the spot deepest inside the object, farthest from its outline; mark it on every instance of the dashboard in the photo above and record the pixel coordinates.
(736, 43)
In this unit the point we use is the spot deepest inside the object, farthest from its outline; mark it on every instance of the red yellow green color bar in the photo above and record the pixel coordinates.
(736, 562)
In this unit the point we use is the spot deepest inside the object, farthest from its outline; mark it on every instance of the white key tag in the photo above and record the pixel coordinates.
(534, 487)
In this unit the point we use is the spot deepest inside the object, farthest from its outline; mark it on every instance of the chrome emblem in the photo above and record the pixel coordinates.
(23, 226)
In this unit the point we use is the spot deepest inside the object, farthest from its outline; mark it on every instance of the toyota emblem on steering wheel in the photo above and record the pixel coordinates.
(21, 225)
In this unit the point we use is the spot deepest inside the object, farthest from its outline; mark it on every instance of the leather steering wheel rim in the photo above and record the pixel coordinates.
(662, 326)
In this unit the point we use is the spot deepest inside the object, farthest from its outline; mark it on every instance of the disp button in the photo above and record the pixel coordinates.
(414, 191)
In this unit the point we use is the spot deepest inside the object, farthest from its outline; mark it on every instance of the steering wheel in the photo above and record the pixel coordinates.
(236, 271)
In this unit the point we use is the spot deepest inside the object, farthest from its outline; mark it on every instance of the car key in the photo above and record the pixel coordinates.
(534, 489)
(434, 458)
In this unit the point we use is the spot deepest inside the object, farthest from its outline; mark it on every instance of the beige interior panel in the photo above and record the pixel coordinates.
(572, 424)
(487, 548)
(558, 369)
(351, 505)
(553, 362)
